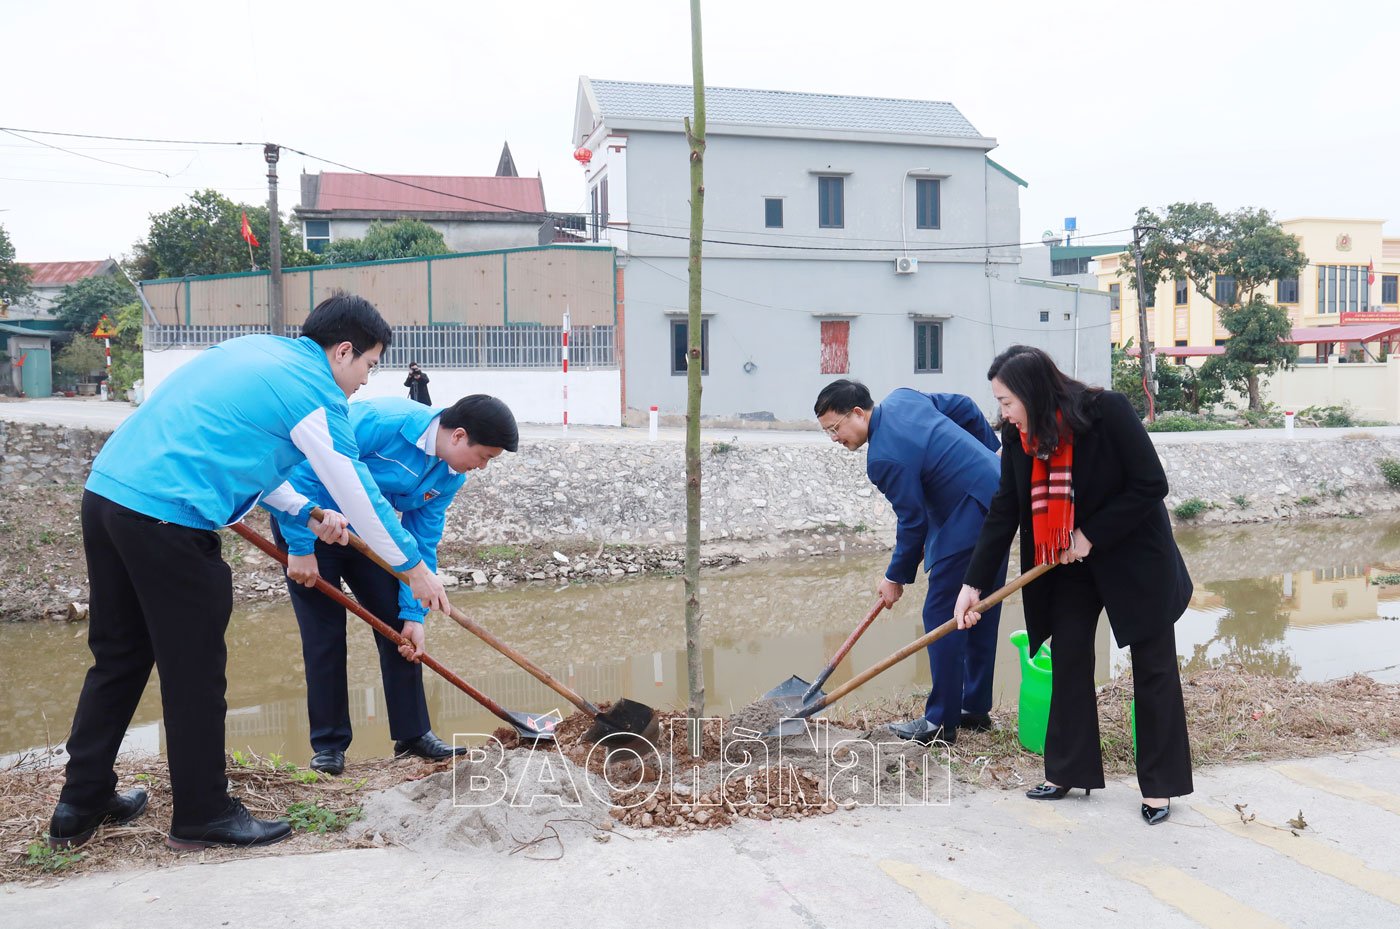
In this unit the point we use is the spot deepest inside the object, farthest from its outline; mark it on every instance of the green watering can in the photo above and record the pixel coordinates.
(1034, 709)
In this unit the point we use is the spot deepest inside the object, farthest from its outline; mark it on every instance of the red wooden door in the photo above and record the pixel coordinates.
(836, 336)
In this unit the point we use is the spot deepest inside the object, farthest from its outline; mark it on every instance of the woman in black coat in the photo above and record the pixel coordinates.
(1082, 481)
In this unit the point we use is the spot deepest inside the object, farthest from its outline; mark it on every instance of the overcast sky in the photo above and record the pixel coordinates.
(1101, 107)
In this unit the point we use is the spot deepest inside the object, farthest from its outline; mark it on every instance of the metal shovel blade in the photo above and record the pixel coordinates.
(534, 727)
(790, 695)
(787, 727)
(627, 720)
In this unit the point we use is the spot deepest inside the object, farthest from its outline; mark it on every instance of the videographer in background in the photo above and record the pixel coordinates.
(417, 384)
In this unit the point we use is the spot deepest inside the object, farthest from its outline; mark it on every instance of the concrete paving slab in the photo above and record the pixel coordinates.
(988, 858)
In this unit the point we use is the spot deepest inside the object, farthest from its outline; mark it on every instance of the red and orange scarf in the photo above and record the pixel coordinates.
(1052, 498)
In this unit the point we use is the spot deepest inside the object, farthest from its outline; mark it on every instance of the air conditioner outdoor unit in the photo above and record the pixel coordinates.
(906, 265)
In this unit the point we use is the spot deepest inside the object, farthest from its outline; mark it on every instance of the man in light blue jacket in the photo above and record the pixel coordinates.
(198, 455)
(418, 456)
(934, 457)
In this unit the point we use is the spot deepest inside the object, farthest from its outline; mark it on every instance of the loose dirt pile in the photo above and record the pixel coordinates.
(662, 784)
(506, 800)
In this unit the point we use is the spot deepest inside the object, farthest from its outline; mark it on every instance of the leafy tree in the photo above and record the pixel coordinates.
(82, 303)
(404, 238)
(127, 356)
(1179, 387)
(1255, 347)
(14, 276)
(80, 358)
(204, 236)
(1197, 242)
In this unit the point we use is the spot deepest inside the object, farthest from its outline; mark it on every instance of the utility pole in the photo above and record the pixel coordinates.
(695, 360)
(275, 317)
(1145, 349)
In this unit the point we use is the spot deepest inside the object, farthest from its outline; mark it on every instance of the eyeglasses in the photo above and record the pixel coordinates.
(373, 368)
(831, 430)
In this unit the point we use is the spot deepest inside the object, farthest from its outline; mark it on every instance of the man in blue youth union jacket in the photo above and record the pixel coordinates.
(934, 458)
(418, 456)
(199, 454)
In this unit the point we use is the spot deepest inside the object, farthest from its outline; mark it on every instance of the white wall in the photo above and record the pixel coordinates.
(1372, 390)
(595, 397)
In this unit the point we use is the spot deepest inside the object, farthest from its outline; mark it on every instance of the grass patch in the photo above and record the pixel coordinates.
(1390, 470)
(313, 817)
(1183, 422)
(39, 855)
(498, 553)
(1190, 509)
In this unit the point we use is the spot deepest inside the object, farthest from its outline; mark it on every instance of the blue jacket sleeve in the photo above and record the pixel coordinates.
(901, 486)
(961, 410)
(425, 524)
(328, 442)
(300, 540)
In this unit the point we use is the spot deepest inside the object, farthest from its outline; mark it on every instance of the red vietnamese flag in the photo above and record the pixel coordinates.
(1370, 271)
(248, 232)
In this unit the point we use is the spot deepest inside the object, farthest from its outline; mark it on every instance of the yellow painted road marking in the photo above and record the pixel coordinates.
(1308, 852)
(1041, 814)
(1342, 788)
(959, 907)
(1197, 899)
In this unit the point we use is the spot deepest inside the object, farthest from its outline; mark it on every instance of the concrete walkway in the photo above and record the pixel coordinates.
(990, 859)
(91, 413)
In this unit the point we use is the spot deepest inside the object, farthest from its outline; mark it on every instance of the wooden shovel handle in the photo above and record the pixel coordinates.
(378, 624)
(924, 640)
(479, 630)
(846, 646)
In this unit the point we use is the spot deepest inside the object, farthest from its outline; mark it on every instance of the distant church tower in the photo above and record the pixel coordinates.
(506, 166)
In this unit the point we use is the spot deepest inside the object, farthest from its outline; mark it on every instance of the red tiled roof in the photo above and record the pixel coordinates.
(63, 273)
(444, 194)
(1183, 351)
(1363, 333)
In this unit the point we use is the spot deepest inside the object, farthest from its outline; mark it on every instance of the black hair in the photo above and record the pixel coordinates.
(487, 421)
(344, 317)
(1044, 390)
(843, 396)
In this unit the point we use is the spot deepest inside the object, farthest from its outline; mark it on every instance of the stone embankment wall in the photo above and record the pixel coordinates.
(32, 454)
(754, 490)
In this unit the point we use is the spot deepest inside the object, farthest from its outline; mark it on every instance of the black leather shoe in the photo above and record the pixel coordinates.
(922, 731)
(1047, 792)
(1156, 815)
(426, 746)
(71, 826)
(976, 722)
(236, 827)
(331, 761)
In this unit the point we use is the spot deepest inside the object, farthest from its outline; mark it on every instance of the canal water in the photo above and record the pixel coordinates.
(1303, 601)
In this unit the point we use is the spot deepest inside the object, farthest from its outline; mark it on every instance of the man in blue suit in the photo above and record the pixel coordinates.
(419, 457)
(934, 457)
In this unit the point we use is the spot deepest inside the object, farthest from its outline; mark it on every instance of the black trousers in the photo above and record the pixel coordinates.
(160, 595)
(1072, 756)
(323, 649)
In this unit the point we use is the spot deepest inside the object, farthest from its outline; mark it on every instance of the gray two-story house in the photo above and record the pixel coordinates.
(845, 236)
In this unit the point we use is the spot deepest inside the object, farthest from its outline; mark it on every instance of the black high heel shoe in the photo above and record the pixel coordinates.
(1046, 792)
(1156, 815)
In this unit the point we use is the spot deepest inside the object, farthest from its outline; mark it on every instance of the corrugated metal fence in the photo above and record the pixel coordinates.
(497, 309)
(495, 288)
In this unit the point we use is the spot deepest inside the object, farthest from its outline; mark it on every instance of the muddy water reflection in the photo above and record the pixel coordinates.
(1299, 601)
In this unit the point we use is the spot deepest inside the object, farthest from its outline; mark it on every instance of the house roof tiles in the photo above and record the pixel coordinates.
(731, 105)
(392, 192)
